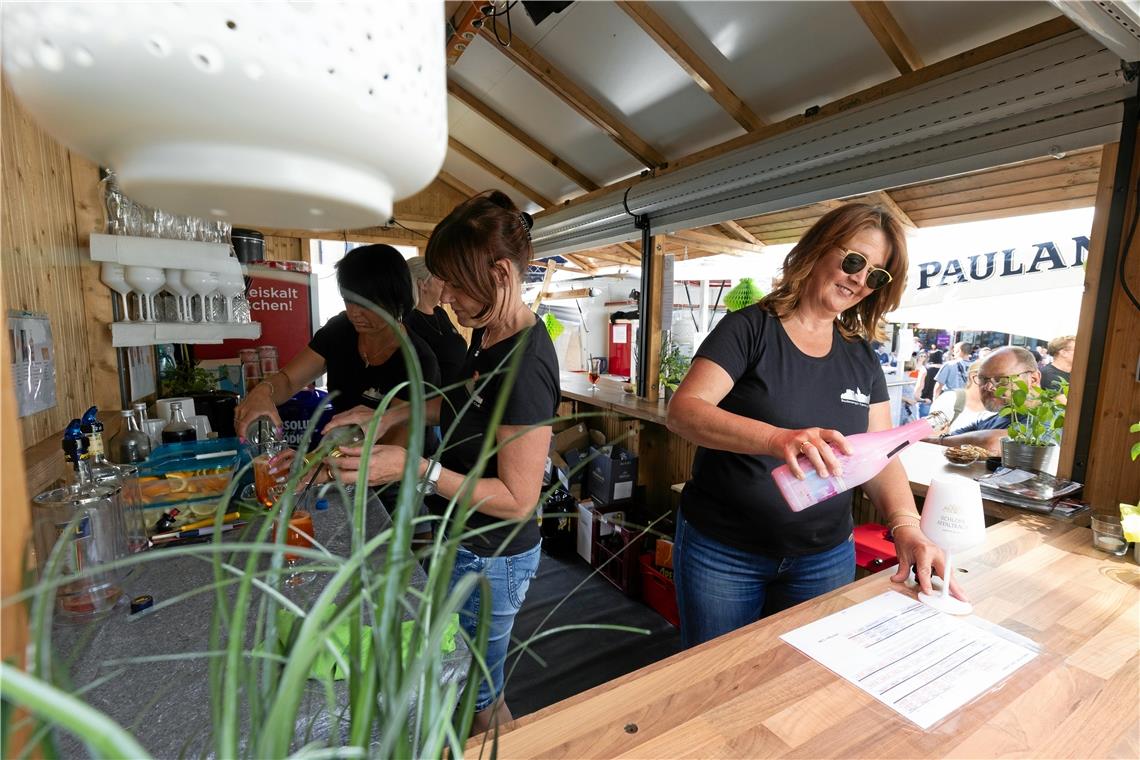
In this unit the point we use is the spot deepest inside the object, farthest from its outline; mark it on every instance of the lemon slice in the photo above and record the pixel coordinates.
(203, 508)
(176, 484)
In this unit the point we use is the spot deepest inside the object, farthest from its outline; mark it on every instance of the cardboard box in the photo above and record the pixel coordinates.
(612, 476)
(577, 437)
(587, 514)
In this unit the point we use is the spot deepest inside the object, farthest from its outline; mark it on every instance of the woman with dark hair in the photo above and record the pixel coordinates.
(480, 252)
(924, 383)
(356, 348)
(792, 375)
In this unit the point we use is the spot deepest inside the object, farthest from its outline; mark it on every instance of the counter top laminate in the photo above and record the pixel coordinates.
(611, 398)
(748, 694)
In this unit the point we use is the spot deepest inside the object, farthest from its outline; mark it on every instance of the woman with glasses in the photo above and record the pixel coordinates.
(793, 375)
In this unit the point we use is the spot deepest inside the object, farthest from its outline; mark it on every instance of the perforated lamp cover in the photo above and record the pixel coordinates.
(269, 114)
(744, 294)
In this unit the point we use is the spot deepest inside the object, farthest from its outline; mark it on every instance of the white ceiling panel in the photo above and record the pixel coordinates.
(534, 109)
(604, 52)
(480, 180)
(782, 57)
(496, 146)
(944, 29)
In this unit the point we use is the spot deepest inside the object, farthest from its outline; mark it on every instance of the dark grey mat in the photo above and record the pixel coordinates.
(580, 659)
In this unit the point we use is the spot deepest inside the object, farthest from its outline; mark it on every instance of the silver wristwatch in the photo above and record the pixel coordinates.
(428, 487)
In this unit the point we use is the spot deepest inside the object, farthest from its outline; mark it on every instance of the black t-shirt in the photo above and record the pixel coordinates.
(533, 399)
(355, 384)
(446, 343)
(1050, 374)
(732, 497)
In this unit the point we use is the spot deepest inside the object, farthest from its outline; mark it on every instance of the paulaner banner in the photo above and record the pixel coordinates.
(1023, 276)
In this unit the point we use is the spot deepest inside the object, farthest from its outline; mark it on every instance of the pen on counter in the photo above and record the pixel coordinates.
(209, 521)
(194, 533)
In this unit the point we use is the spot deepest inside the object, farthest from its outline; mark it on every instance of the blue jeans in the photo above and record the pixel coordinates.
(509, 578)
(923, 409)
(720, 588)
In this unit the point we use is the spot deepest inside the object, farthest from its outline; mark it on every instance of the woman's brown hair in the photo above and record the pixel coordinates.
(465, 246)
(832, 231)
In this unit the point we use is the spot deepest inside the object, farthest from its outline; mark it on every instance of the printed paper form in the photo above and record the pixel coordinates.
(922, 663)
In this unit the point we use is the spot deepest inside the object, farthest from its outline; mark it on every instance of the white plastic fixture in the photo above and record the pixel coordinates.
(275, 114)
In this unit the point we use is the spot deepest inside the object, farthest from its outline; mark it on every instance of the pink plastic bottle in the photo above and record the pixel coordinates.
(872, 452)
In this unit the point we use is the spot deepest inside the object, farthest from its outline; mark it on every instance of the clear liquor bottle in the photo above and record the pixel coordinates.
(130, 445)
(123, 478)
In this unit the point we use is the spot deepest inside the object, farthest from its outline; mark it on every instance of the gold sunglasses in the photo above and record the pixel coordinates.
(854, 262)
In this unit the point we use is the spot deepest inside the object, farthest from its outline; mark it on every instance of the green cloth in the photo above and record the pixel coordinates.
(326, 663)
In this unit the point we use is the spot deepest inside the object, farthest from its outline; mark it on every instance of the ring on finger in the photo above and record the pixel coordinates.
(803, 444)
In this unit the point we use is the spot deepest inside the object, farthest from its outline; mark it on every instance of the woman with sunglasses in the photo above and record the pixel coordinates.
(793, 375)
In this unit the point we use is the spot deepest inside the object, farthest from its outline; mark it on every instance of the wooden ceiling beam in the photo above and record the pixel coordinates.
(884, 199)
(724, 244)
(581, 262)
(486, 165)
(534, 146)
(685, 57)
(734, 230)
(574, 96)
(463, 32)
(457, 184)
(634, 252)
(889, 35)
(1010, 44)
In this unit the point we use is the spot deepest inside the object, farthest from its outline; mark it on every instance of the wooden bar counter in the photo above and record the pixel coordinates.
(748, 694)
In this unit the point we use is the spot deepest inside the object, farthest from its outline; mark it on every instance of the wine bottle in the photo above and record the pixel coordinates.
(871, 452)
(178, 430)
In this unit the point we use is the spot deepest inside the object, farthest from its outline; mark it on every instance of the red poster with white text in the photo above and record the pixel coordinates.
(282, 301)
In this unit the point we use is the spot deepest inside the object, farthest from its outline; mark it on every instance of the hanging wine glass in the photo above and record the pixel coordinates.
(115, 278)
(203, 284)
(230, 285)
(146, 281)
(182, 293)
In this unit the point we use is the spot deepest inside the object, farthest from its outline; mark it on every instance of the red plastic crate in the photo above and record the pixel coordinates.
(658, 592)
(874, 549)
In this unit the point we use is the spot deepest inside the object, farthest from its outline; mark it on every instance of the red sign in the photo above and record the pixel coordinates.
(282, 302)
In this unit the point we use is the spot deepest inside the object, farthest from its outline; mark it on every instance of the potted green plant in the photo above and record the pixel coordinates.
(674, 366)
(1036, 417)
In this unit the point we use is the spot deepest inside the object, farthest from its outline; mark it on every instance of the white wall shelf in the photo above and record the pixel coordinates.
(160, 252)
(124, 334)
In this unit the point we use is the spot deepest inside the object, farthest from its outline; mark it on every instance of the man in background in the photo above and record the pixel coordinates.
(1061, 350)
(995, 378)
(954, 374)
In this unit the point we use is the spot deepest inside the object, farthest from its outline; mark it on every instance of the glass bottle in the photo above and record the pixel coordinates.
(178, 430)
(87, 478)
(871, 452)
(123, 478)
(130, 445)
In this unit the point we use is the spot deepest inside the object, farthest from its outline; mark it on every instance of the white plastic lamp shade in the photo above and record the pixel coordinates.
(275, 114)
(953, 519)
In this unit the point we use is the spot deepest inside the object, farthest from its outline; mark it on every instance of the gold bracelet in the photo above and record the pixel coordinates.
(905, 525)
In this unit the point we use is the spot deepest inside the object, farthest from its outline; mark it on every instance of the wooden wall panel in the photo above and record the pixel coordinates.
(283, 249)
(42, 260)
(1112, 476)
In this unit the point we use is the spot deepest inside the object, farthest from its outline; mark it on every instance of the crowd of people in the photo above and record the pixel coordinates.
(957, 388)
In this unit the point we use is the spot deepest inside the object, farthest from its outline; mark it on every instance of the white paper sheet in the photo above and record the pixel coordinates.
(922, 663)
